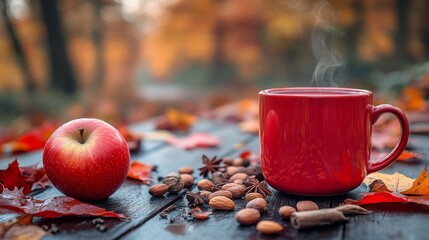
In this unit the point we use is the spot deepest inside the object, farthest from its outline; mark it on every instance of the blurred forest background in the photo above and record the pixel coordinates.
(126, 60)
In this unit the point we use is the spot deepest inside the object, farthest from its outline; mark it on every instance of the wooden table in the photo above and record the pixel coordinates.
(388, 221)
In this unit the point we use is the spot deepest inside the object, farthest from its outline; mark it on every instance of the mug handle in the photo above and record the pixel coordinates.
(377, 111)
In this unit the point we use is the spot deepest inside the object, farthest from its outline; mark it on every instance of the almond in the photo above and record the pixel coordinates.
(223, 193)
(286, 211)
(250, 196)
(158, 190)
(186, 170)
(187, 179)
(258, 203)
(248, 216)
(228, 185)
(306, 206)
(222, 203)
(204, 194)
(234, 169)
(236, 191)
(269, 227)
(228, 161)
(239, 181)
(239, 176)
(205, 184)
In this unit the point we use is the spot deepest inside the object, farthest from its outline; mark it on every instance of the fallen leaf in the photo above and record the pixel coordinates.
(407, 155)
(21, 228)
(34, 139)
(388, 197)
(158, 135)
(199, 214)
(394, 182)
(420, 185)
(12, 177)
(26, 178)
(133, 139)
(140, 171)
(196, 140)
(14, 201)
(175, 120)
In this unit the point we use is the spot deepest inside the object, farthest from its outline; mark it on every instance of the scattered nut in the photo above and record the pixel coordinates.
(205, 184)
(250, 196)
(239, 181)
(286, 211)
(158, 190)
(248, 216)
(236, 191)
(224, 193)
(222, 203)
(186, 170)
(219, 178)
(231, 170)
(269, 227)
(228, 185)
(174, 182)
(306, 205)
(258, 203)
(228, 161)
(239, 176)
(187, 179)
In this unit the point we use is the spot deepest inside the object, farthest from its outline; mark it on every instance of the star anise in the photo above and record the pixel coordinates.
(210, 165)
(194, 199)
(253, 185)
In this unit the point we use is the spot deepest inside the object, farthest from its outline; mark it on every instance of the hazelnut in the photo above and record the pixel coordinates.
(306, 206)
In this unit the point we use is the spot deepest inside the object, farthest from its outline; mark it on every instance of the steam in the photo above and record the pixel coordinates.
(320, 18)
(330, 62)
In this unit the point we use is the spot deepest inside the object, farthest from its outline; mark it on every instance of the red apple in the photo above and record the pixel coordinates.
(87, 159)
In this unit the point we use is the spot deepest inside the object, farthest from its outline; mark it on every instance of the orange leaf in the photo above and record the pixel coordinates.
(140, 171)
(175, 120)
(420, 185)
(406, 155)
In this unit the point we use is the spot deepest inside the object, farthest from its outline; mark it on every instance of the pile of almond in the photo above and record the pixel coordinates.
(225, 186)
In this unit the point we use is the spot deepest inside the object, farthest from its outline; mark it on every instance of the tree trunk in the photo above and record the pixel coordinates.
(29, 82)
(62, 76)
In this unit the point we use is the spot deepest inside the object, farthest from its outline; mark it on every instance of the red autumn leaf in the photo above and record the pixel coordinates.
(199, 214)
(140, 171)
(15, 201)
(389, 197)
(12, 177)
(23, 177)
(34, 139)
(196, 140)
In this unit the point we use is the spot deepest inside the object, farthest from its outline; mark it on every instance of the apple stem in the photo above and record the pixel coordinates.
(81, 131)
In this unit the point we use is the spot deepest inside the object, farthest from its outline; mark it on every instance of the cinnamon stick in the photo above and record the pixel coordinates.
(308, 219)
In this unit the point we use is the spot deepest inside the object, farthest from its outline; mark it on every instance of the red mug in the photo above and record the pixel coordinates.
(317, 141)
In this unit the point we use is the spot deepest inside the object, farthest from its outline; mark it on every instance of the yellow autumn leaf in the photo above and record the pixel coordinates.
(420, 185)
(394, 182)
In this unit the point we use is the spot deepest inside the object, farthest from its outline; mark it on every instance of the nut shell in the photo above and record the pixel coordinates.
(222, 203)
(174, 182)
(158, 190)
(248, 216)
